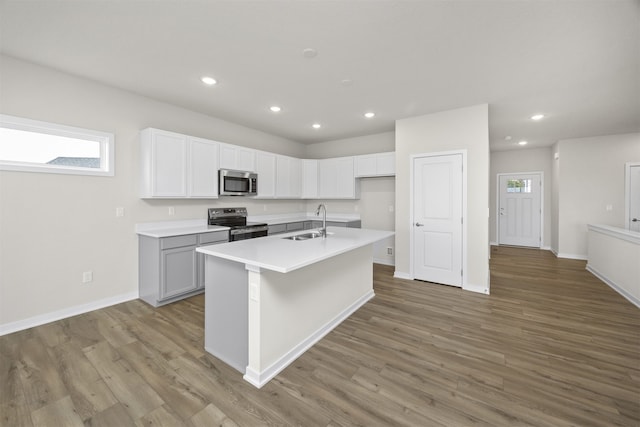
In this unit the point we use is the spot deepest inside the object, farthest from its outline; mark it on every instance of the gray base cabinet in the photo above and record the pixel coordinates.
(170, 269)
(308, 225)
(351, 224)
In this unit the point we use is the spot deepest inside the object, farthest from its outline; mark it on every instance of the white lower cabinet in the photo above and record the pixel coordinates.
(170, 269)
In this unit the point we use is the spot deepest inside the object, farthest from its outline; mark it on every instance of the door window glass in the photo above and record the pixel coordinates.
(519, 186)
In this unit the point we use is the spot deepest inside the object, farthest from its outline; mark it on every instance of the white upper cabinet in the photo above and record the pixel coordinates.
(177, 166)
(181, 166)
(163, 164)
(379, 164)
(288, 177)
(203, 168)
(237, 158)
(266, 170)
(309, 179)
(337, 179)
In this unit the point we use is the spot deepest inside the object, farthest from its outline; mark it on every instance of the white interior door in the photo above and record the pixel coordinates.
(519, 209)
(437, 219)
(633, 197)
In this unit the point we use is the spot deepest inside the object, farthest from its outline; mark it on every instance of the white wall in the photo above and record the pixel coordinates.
(54, 227)
(376, 143)
(524, 160)
(590, 177)
(461, 129)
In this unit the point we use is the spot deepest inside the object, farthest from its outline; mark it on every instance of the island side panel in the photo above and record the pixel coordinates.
(291, 311)
(226, 311)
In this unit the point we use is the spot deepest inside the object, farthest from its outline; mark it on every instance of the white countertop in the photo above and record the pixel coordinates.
(176, 228)
(197, 226)
(283, 255)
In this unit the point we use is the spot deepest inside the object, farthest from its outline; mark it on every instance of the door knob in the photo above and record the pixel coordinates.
(418, 224)
(635, 220)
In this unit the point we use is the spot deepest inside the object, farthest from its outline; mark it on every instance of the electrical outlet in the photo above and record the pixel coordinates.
(87, 276)
(389, 250)
(119, 211)
(172, 211)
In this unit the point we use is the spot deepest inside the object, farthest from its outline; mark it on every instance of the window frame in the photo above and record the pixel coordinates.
(105, 139)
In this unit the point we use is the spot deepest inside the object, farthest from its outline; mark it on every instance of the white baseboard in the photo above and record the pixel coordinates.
(476, 288)
(258, 379)
(31, 322)
(633, 299)
(384, 261)
(402, 275)
(570, 256)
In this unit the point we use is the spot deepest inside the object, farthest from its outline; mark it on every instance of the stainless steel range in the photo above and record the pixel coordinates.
(236, 218)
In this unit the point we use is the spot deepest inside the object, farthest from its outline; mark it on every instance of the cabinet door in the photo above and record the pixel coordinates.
(288, 176)
(168, 164)
(309, 179)
(228, 157)
(266, 169)
(346, 178)
(386, 164)
(337, 179)
(203, 162)
(246, 159)
(179, 271)
(327, 178)
(237, 158)
(366, 165)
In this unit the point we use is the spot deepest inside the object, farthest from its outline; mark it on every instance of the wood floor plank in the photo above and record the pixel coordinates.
(551, 346)
(127, 386)
(88, 391)
(58, 413)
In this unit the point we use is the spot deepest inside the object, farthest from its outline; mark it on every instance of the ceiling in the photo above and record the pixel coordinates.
(577, 62)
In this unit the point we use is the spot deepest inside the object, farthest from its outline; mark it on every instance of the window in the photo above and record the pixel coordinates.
(33, 146)
(519, 186)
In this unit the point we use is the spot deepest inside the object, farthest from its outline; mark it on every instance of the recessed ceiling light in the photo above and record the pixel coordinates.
(275, 108)
(309, 53)
(522, 143)
(316, 126)
(369, 115)
(537, 117)
(208, 80)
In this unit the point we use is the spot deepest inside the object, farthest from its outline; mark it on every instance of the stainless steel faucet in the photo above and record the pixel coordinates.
(323, 230)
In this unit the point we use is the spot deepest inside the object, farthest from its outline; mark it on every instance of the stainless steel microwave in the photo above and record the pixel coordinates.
(237, 183)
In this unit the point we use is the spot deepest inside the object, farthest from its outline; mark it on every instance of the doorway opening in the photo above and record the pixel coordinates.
(519, 211)
(438, 206)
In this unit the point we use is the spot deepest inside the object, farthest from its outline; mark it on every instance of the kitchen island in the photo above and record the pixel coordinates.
(268, 300)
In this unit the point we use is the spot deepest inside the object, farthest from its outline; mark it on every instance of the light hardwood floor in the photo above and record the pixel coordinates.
(551, 346)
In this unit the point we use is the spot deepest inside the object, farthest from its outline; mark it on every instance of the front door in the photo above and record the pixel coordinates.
(633, 196)
(519, 210)
(437, 219)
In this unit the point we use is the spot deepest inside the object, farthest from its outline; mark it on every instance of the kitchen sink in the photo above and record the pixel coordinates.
(305, 236)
